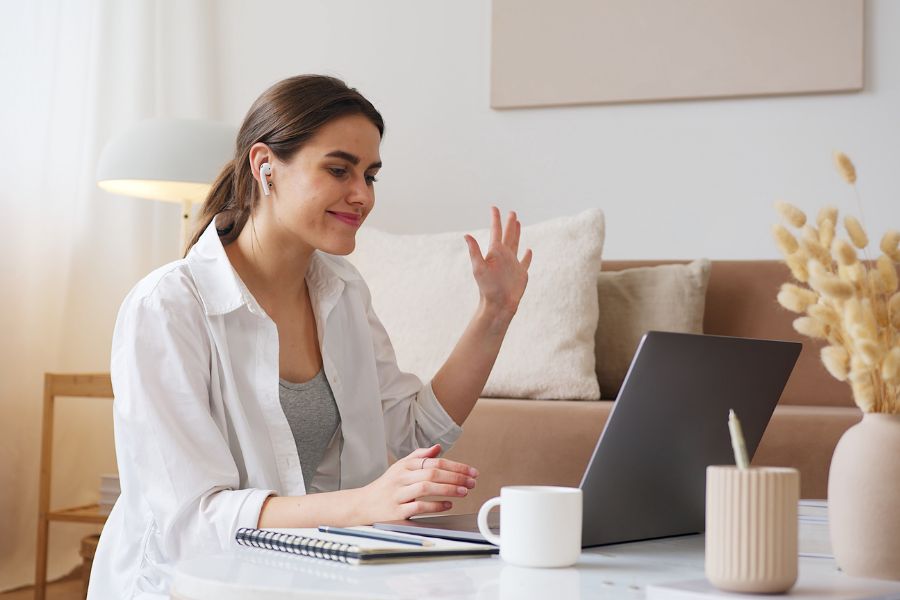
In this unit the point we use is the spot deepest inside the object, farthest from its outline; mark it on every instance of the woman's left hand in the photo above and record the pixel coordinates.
(500, 275)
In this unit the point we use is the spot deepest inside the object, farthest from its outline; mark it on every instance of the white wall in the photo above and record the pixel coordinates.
(676, 179)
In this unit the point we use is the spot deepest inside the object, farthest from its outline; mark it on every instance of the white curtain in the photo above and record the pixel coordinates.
(74, 73)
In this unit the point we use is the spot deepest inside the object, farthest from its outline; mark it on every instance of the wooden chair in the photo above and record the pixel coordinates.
(95, 385)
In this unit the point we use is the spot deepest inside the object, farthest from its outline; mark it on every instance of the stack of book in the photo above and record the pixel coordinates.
(815, 539)
(109, 491)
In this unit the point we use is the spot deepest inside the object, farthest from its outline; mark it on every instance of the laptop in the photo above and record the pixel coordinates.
(647, 476)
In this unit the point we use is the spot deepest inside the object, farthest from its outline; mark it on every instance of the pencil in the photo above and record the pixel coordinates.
(385, 537)
(737, 441)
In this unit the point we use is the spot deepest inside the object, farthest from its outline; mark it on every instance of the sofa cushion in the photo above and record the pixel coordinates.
(635, 301)
(741, 302)
(425, 295)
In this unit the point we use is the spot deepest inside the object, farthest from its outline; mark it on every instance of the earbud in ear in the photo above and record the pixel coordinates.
(264, 169)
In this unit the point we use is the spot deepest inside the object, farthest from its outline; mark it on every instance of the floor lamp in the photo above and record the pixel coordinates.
(174, 160)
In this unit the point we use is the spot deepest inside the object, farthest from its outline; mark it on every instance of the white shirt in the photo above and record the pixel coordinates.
(201, 438)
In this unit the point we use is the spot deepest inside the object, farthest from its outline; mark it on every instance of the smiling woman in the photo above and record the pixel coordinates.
(282, 121)
(254, 384)
(321, 188)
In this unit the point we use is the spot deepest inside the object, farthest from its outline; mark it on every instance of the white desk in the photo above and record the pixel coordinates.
(611, 572)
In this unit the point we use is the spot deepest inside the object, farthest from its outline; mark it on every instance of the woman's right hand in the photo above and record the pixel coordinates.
(397, 494)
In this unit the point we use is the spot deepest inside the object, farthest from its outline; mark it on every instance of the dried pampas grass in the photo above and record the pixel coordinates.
(797, 265)
(851, 303)
(889, 244)
(836, 361)
(831, 287)
(827, 213)
(785, 240)
(856, 232)
(894, 310)
(826, 232)
(791, 214)
(811, 327)
(824, 313)
(795, 298)
(887, 274)
(890, 368)
(845, 167)
(843, 253)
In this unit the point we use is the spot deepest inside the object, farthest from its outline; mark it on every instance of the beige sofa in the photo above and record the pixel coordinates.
(515, 442)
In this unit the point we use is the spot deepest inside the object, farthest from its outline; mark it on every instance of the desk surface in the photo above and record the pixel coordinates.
(611, 572)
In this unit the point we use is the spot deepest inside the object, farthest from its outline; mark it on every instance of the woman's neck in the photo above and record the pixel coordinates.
(271, 267)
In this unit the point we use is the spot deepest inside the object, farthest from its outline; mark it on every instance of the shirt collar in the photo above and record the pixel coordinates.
(222, 291)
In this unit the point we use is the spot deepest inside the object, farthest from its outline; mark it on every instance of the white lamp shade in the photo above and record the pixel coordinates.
(175, 160)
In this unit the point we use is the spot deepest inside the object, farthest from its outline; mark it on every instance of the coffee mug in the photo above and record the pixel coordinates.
(540, 526)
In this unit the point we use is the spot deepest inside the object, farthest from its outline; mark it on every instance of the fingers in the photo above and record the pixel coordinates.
(509, 237)
(420, 507)
(438, 476)
(440, 464)
(526, 260)
(474, 250)
(496, 231)
(513, 231)
(425, 452)
(429, 488)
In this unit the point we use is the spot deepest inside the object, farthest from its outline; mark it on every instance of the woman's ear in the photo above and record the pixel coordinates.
(259, 154)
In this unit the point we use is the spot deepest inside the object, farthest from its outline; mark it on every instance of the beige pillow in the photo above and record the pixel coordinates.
(635, 301)
(424, 293)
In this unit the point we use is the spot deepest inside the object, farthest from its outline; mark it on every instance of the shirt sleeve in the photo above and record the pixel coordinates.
(170, 449)
(413, 416)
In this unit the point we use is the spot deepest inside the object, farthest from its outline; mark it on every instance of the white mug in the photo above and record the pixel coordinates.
(540, 526)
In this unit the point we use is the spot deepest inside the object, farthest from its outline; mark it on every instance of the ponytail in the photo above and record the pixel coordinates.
(223, 199)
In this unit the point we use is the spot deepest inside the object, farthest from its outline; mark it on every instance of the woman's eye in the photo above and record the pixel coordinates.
(337, 171)
(370, 179)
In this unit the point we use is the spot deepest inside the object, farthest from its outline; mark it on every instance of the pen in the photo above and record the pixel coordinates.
(737, 441)
(386, 537)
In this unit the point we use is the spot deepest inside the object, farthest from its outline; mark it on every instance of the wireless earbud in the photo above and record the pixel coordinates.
(265, 169)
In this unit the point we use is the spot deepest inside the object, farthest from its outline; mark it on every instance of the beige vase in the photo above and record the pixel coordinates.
(864, 496)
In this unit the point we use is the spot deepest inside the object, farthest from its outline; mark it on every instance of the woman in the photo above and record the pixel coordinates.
(254, 384)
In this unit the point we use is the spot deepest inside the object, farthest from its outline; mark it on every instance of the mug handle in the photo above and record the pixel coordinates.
(482, 520)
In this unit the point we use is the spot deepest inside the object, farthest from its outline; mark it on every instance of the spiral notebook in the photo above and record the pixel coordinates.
(353, 550)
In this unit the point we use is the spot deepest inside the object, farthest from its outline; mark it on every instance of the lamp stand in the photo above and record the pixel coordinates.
(185, 226)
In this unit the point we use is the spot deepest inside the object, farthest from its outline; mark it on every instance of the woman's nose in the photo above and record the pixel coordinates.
(361, 193)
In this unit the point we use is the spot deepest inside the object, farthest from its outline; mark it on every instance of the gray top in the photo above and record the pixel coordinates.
(314, 418)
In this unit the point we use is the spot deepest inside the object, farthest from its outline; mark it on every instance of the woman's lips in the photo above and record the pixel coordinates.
(348, 218)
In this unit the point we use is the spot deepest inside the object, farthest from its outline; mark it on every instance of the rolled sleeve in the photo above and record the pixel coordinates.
(251, 507)
(433, 424)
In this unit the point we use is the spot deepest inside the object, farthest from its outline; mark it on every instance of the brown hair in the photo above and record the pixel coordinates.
(284, 118)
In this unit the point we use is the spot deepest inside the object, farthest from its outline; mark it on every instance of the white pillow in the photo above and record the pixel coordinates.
(424, 293)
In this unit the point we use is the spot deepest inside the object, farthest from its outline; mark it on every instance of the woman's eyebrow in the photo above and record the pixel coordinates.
(351, 158)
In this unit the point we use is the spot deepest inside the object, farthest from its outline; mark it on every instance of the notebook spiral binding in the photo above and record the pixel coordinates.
(297, 544)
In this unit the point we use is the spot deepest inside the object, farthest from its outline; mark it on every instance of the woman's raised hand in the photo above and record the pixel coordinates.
(398, 493)
(500, 275)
